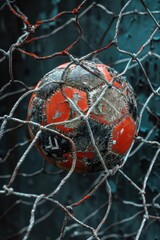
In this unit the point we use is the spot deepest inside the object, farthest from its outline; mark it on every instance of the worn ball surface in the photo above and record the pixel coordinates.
(68, 94)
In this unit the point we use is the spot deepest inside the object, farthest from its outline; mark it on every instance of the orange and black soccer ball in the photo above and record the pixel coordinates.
(68, 94)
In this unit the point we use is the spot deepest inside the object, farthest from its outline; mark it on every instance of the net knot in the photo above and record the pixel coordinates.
(8, 190)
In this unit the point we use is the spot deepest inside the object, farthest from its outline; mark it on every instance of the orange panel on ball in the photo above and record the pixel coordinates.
(122, 136)
(59, 109)
(102, 68)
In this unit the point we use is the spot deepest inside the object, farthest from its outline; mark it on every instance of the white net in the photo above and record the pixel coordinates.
(39, 201)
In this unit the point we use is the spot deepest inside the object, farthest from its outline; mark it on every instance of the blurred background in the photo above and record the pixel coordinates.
(98, 21)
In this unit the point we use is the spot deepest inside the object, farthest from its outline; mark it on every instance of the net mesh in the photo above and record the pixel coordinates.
(38, 201)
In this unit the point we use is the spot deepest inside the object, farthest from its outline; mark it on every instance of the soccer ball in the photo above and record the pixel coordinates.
(87, 104)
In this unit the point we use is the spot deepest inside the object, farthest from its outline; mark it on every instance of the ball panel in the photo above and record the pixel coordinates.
(33, 95)
(132, 105)
(122, 135)
(111, 107)
(59, 109)
(82, 79)
(118, 85)
(101, 133)
(36, 111)
(50, 83)
(103, 69)
(78, 97)
(53, 145)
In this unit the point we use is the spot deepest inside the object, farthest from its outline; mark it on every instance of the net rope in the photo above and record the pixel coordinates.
(73, 226)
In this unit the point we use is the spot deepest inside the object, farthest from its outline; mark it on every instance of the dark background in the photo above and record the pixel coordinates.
(98, 30)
